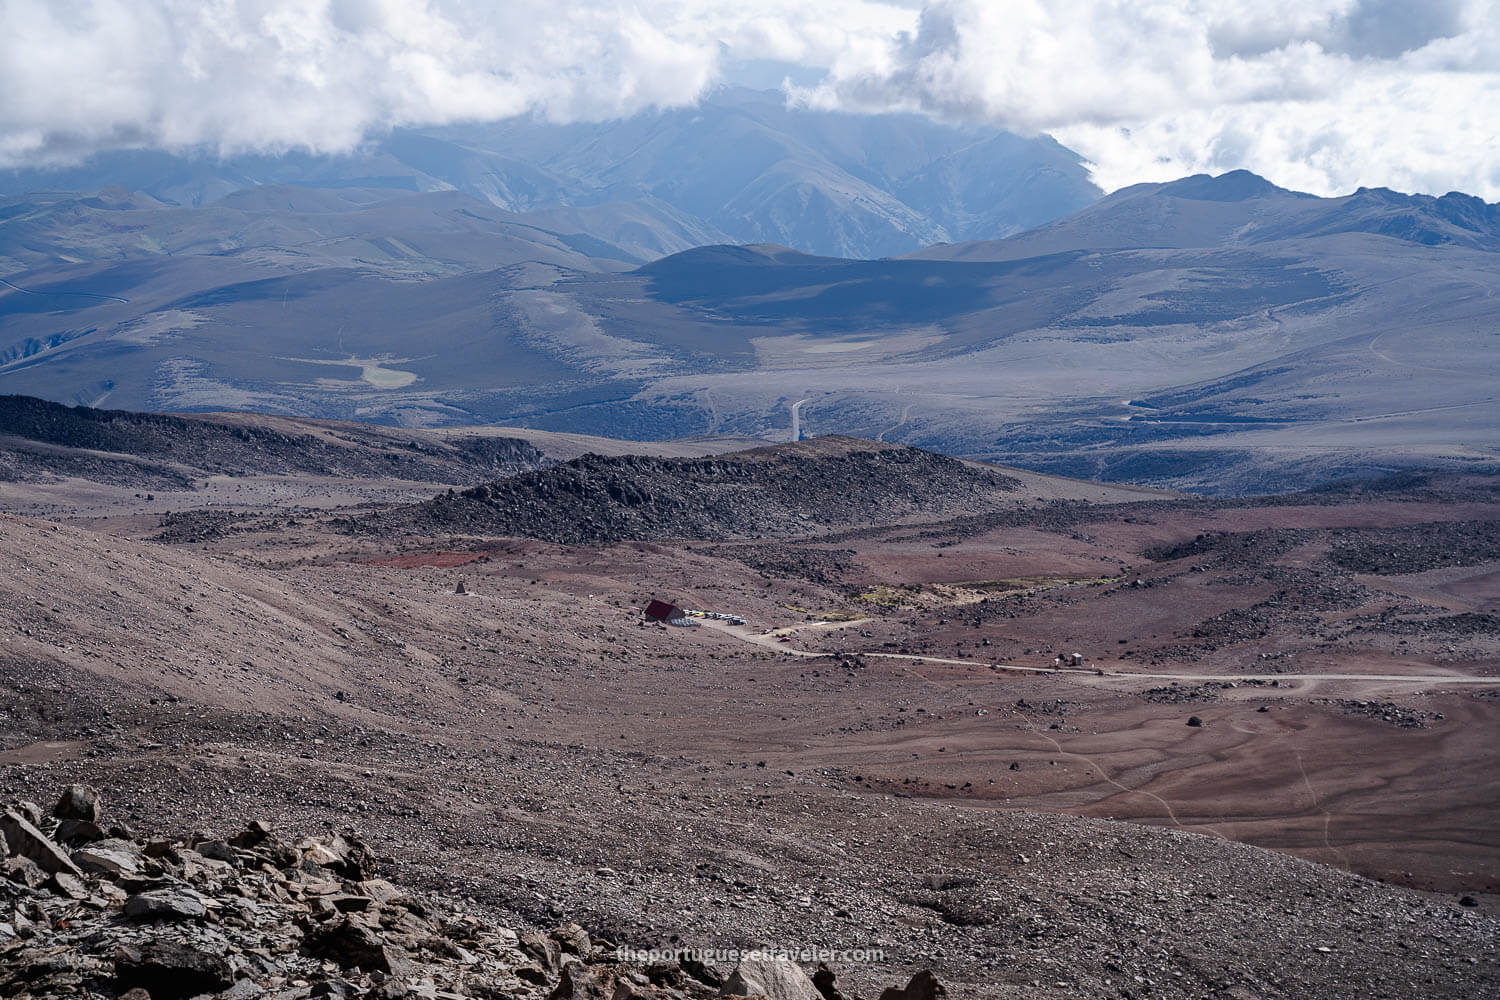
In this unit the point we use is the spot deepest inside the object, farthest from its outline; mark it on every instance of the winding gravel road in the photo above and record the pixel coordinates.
(772, 640)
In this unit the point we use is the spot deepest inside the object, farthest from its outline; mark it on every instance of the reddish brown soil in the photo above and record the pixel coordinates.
(437, 560)
(535, 722)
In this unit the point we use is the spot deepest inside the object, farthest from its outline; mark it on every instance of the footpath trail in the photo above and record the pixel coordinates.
(774, 640)
(51, 294)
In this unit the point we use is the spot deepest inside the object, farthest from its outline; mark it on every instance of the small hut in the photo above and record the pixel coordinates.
(661, 611)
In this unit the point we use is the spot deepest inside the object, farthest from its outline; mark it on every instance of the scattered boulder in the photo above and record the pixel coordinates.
(826, 983)
(574, 940)
(668, 974)
(533, 974)
(169, 970)
(79, 802)
(923, 986)
(578, 982)
(345, 856)
(545, 950)
(380, 890)
(1194, 721)
(772, 978)
(258, 837)
(217, 850)
(63, 884)
(110, 858)
(23, 871)
(256, 832)
(24, 840)
(165, 904)
(354, 945)
(76, 832)
(704, 972)
(242, 990)
(160, 848)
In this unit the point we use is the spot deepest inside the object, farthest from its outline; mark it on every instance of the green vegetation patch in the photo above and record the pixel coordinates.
(906, 595)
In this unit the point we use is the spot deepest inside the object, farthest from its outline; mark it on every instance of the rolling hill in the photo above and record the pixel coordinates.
(1240, 208)
(1212, 333)
(404, 236)
(777, 491)
(42, 441)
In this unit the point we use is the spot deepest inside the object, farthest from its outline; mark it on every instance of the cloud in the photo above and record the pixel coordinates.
(234, 76)
(1429, 133)
(1324, 95)
(271, 75)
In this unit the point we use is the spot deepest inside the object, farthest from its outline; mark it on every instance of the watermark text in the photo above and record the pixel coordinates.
(804, 955)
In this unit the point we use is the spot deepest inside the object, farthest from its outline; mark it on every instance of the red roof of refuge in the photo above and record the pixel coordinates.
(661, 610)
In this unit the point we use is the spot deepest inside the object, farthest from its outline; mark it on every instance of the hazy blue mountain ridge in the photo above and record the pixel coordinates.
(740, 167)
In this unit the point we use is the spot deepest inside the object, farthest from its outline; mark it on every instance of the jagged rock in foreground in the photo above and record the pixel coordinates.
(256, 916)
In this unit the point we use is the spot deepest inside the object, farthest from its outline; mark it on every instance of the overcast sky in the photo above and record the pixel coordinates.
(1319, 95)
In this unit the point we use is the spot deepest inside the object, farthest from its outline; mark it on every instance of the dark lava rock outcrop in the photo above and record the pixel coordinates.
(1415, 548)
(778, 491)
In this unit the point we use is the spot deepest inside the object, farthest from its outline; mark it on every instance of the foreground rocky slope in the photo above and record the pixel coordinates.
(782, 490)
(1014, 905)
(90, 912)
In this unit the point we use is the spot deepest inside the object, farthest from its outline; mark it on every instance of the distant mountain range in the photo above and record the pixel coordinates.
(1213, 333)
(1240, 208)
(740, 167)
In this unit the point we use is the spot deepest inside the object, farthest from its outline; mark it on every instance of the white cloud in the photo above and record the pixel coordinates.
(1323, 95)
(239, 75)
(271, 75)
(1423, 132)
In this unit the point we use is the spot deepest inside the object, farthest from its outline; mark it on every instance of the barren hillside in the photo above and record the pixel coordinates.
(782, 490)
(1270, 774)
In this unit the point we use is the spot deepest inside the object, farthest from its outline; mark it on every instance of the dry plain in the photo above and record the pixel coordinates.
(885, 776)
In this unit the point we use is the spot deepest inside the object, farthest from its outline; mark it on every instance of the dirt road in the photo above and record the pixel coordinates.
(773, 640)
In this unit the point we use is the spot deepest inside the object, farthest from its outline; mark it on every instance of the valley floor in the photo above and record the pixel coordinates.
(1318, 675)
